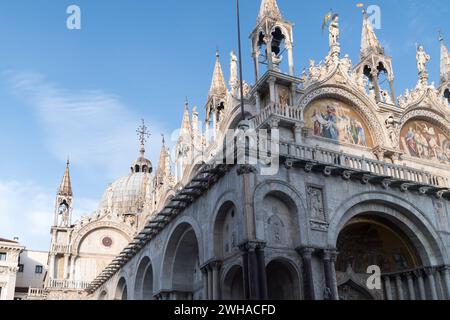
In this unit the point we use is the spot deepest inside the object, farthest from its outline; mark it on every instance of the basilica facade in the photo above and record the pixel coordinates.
(361, 184)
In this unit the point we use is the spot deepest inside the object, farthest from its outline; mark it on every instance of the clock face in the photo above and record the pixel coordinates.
(107, 242)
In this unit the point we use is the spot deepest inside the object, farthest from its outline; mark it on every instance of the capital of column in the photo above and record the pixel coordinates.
(430, 271)
(272, 80)
(252, 246)
(288, 45)
(306, 252)
(299, 126)
(274, 123)
(329, 254)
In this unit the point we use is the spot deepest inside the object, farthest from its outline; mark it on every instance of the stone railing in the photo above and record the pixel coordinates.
(429, 283)
(36, 293)
(60, 248)
(381, 168)
(67, 284)
(286, 112)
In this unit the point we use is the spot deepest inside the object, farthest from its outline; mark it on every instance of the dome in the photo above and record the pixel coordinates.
(127, 195)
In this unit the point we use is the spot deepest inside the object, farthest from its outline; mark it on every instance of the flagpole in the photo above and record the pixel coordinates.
(240, 60)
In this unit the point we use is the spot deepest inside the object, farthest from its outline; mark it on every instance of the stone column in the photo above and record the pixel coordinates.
(387, 287)
(412, 295)
(422, 293)
(264, 294)
(430, 271)
(251, 276)
(246, 284)
(210, 283)
(51, 266)
(215, 267)
(298, 130)
(72, 268)
(376, 85)
(258, 102)
(330, 273)
(446, 278)
(268, 41)
(399, 287)
(293, 91)
(273, 98)
(205, 282)
(289, 48)
(256, 63)
(66, 267)
(391, 86)
(308, 280)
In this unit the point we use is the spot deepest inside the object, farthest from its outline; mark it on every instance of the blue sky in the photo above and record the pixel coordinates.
(81, 93)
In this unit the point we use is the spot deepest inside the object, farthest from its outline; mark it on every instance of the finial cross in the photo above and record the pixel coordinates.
(143, 133)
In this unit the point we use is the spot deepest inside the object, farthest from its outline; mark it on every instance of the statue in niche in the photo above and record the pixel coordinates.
(63, 213)
(391, 126)
(316, 204)
(284, 97)
(276, 61)
(276, 227)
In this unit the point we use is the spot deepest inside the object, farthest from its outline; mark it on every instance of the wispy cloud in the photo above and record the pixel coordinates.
(94, 127)
(26, 211)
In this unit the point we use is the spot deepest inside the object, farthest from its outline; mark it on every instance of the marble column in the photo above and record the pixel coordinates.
(306, 254)
(66, 272)
(298, 130)
(387, 288)
(256, 64)
(330, 273)
(409, 278)
(205, 283)
(430, 271)
(289, 48)
(399, 287)
(258, 102)
(72, 268)
(264, 294)
(251, 270)
(273, 98)
(422, 292)
(210, 283)
(51, 266)
(376, 85)
(446, 278)
(215, 267)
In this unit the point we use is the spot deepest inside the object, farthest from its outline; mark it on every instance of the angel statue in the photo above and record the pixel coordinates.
(334, 31)
(422, 59)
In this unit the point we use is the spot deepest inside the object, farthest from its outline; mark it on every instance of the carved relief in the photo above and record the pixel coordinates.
(276, 228)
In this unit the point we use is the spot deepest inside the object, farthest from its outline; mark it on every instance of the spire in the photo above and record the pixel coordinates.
(218, 86)
(143, 135)
(445, 61)
(186, 122)
(164, 162)
(369, 40)
(269, 9)
(66, 186)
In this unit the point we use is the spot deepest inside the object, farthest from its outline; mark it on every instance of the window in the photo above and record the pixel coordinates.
(21, 266)
(38, 269)
(2, 256)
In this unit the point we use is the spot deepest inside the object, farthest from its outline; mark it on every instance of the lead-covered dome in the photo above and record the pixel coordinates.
(127, 195)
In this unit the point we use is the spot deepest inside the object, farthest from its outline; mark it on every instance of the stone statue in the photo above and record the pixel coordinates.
(276, 61)
(346, 63)
(63, 212)
(334, 31)
(391, 126)
(422, 59)
(234, 82)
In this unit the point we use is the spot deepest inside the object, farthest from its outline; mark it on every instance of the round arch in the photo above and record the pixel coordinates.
(291, 197)
(121, 290)
(283, 280)
(143, 284)
(233, 283)
(361, 104)
(181, 261)
(410, 220)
